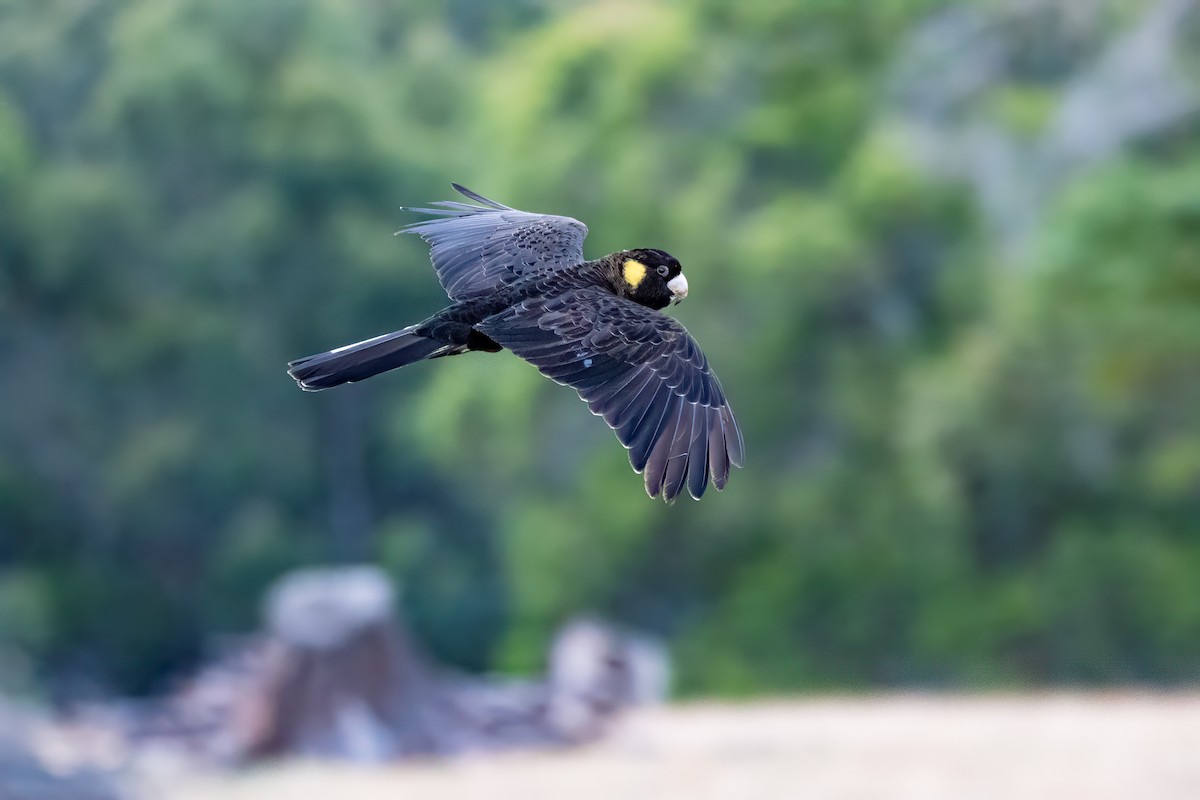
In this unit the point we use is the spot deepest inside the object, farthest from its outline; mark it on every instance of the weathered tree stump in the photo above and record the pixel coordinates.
(346, 680)
(337, 675)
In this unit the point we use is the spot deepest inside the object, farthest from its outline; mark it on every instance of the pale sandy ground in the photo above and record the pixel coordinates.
(1062, 746)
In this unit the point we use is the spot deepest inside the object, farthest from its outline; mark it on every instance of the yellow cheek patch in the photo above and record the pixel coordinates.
(635, 271)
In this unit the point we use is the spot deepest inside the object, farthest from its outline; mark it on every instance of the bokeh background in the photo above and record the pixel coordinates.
(945, 257)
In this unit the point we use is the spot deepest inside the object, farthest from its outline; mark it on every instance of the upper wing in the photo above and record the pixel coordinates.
(477, 248)
(640, 370)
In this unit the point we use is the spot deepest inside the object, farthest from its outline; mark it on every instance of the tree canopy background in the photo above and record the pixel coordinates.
(945, 257)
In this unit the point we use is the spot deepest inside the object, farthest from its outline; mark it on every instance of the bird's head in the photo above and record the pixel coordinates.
(650, 277)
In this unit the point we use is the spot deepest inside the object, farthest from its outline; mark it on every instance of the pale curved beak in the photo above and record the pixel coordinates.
(679, 288)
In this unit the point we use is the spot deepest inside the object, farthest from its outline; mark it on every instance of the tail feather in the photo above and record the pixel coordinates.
(359, 361)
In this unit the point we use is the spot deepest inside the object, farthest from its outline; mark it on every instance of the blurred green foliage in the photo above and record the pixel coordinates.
(964, 467)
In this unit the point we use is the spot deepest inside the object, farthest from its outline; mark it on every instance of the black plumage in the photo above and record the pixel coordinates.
(520, 281)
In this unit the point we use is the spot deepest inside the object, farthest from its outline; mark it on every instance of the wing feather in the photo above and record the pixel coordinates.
(478, 247)
(648, 430)
(697, 480)
(660, 451)
(678, 460)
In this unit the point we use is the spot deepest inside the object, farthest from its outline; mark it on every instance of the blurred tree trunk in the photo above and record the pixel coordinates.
(345, 451)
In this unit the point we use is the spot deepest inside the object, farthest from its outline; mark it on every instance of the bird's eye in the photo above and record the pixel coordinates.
(663, 270)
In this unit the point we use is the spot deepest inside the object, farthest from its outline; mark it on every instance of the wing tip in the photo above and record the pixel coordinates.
(465, 192)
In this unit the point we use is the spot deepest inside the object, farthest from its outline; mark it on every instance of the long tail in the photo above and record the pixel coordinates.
(356, 362)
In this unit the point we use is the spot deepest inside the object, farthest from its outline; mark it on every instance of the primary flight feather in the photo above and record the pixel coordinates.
(520, 281)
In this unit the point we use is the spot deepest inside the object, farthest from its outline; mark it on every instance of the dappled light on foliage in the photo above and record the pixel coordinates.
(963, 353)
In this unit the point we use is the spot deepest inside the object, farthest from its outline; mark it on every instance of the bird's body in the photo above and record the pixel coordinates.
(457, 323)
(519, 281)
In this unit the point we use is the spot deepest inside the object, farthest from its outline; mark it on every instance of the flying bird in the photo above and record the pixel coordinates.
(519, 280)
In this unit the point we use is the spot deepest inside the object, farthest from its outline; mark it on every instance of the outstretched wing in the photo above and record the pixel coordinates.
(478, 247)
(640, 370)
